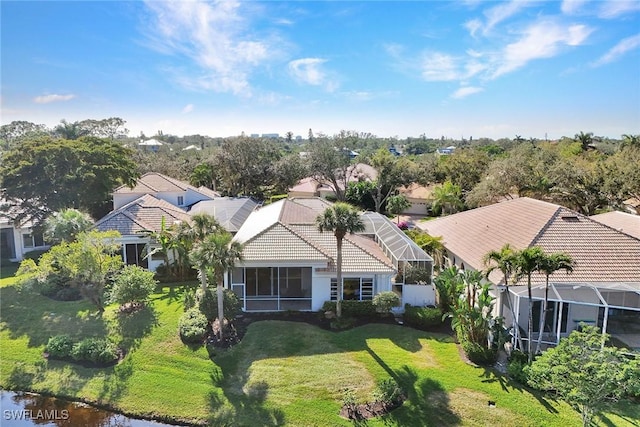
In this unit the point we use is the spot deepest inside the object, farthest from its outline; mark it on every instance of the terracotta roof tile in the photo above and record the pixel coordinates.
(621, 221)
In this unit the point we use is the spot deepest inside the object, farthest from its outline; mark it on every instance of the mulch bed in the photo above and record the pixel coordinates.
(365, 411)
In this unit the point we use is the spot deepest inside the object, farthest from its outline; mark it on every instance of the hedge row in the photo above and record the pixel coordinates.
(422, 317)
(95, 350)
(353, 308)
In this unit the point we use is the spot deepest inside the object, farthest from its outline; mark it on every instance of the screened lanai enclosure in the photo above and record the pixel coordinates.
(613, 307)
(414, 265)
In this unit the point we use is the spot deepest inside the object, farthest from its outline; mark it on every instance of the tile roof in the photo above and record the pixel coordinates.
(621, 221)
(601, 254)
(231, 212)
(153, 182)
(144, 213)
(279, 243)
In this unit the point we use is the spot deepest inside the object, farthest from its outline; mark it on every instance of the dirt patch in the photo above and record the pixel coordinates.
(365, 411)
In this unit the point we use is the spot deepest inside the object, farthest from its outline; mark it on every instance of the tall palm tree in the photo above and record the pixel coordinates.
(447, 198)
(213, 256)
(527, 261)
(629, 140)
(65, 225)
(549, 265)
(504, 260)
(585, 139)
(341, 218)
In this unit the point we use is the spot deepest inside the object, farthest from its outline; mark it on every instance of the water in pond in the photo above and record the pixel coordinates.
(27, 409)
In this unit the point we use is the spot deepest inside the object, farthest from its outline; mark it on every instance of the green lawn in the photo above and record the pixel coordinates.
(282, 373)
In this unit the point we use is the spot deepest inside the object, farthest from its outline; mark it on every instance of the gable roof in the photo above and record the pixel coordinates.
(144, 213)
(230, 212)
(153, 182)
(621, 221)
(600, 253)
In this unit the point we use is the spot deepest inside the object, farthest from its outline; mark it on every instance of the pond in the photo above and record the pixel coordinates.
(28, 409)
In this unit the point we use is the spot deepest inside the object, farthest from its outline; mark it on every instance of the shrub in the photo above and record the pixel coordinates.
(59, 346)
(516, 371)
(27, 266)
(478, 354)
(422, 317)
(352, 308)
(385, 301)
(387, 391)
(207, 302)
(36, 254)
(192, 326)
(133, 284)
(96, 350)
(189, 299)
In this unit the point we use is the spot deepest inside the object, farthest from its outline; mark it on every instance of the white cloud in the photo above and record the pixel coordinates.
(440, 67)
(615, 8)
(624, 46)
(465, 91)
(310, 71)
(46, 99)
(212, 35)
(543, 39)
(188, 108)
(570, 7)
(495, 15)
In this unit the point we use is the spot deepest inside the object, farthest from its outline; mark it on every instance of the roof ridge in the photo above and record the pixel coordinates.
(270, 227)
(367, 251)
(545, 227)
(614, 229)
(307, 240)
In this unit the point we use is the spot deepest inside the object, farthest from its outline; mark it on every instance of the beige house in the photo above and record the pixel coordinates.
(603, 290)
(621, 221)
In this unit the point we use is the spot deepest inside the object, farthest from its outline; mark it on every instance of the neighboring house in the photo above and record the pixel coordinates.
(312, 187)
(418, 196)
(151, 145)
(16, 240)
(231, 212)
(289, 265)
(621, 221)
(604, 288)
(172, 190)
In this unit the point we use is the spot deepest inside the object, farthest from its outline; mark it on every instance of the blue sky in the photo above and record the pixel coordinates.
(454, 69)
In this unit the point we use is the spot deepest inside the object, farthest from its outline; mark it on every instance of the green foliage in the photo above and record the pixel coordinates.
(479, 354)
(27, 266)
(422, 317)
(517, 363)
(360, 194)
(430, 244)
(95, 350)
(133, 284)
(387, 391)
(349, 399)
(277, 197)
(385, 301)
(36, 254)
(353, 308)
(415, 275)
(584, 373)
(396, 204)
(449, 286)
(65, 225)
(447, 199)
(192, 326)
(59, 346)
(207, 303)
(189, 299)
(63, 173)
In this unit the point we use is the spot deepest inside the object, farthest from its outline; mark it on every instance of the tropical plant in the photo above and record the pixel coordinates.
(213, 257)
(341, 218)
(449, 286)
(527, 261)
(447, 198)
(396, 204)
(133, 285)
(585, 139)
(430, 244)
(65, 225)
(630, 141)
(504, 260)
(550, 264)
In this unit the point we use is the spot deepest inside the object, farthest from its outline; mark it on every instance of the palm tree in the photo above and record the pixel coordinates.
(65, 225)
(549, 265)
(585, 139)
(504, 260)
(629, 140)
(341, 218)
(213, 256)
(527, 261)
(447, 198)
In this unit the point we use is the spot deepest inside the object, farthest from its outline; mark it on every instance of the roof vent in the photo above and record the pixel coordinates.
(570, 218)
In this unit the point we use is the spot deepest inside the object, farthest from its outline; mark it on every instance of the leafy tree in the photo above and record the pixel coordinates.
(396, 204)
(505, 261)
(13, 133)
(66, 225)
(205, 175)
(585, 373)
(360, 194)
(341, 218)
(392, 173)
(67, 130)
(331, 165)
(579, 183)
(527, 261)
(133, 285)
(213, 256)
(550, 264)
(287, 172)
(47, 175)
(622, 175)
(447, 198)
(465, 167)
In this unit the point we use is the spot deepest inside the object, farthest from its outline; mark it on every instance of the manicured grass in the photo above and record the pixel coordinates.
(282, 373)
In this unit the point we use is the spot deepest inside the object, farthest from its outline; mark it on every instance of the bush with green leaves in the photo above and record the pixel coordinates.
(387, 391)
(352, 308)
(516, 366)
(59, 346)
(479, 354)
(193, 326)
(95, 350)
(422, 317)
(189, 299)
(385, 301)
(133, 284)
(207, 303)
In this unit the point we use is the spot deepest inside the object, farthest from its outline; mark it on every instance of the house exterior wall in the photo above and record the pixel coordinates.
(418, 295)
(17, 239)
(418, 207)
(191, 197)
(121, 199)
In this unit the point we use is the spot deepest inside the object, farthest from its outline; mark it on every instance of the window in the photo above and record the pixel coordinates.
(180, 200)
(354, 288)
(135, 254)
(32, 240)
